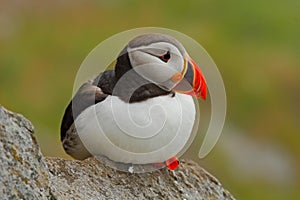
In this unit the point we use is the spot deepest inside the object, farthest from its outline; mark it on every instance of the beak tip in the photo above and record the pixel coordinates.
(204, 93)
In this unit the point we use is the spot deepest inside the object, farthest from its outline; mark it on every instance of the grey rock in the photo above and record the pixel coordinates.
(26, 174)
(23, 171)
(90, 179)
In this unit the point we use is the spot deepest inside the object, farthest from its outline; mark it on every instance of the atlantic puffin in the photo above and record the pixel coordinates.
(152, 83)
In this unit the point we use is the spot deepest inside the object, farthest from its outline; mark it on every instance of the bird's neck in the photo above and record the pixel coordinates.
(130, 86)
(123, 64)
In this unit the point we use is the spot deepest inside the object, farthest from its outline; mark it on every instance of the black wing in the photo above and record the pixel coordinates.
(90, 93)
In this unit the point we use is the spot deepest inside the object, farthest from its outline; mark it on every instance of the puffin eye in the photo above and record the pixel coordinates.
(166, 57)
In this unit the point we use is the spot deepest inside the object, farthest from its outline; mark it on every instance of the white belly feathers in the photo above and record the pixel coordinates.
(150, 131)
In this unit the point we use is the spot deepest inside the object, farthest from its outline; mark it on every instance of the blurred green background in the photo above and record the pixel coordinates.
(255, 44)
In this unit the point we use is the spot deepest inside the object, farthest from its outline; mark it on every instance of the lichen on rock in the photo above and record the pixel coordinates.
(23, 171)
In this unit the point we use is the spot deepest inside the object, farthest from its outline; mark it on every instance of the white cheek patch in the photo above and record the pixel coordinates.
(146, 63)
(149, 68)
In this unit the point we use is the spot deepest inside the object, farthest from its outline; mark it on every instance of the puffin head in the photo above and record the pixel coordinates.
(163, 61)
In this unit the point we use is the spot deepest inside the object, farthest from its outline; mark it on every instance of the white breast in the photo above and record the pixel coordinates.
(150, 131)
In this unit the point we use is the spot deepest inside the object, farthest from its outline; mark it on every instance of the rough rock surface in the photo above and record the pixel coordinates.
(89, 179)
(23, 171)
(25, 174)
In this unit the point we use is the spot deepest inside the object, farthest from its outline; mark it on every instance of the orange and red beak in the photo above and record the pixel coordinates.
(193, 82)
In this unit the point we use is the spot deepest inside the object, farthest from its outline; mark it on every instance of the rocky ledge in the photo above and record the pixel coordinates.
(26, 174)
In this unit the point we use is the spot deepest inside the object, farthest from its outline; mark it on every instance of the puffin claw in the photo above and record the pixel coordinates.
(171, 163)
